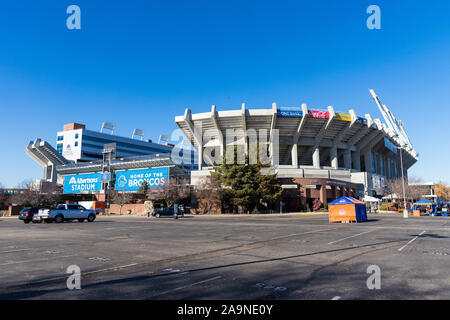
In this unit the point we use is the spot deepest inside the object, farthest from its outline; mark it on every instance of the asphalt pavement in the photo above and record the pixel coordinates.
(227, 257)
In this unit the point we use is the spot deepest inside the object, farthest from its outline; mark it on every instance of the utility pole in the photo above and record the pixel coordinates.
(109, 153)
(405, 211)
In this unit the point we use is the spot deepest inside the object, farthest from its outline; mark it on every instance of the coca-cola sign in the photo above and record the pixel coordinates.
(318, 114)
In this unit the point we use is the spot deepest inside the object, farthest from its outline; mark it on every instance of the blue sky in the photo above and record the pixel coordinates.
(141, 63)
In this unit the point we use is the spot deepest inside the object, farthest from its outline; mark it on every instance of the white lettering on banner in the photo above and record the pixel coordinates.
(81, 180)
(133, 182)
(83, 187)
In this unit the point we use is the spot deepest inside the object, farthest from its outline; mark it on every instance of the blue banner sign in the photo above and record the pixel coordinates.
(361, 120)
(82, 182)
(289, 112)
(131, 180)
(390, 145)
(105, 177)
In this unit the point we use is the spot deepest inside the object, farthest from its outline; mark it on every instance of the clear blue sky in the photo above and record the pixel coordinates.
(141, 63)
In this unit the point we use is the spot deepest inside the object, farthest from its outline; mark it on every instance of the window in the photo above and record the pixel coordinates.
(76, 135)
(72, 207)
(373, 162)
(59, 148)
(76, 143)
(389, 168)
(60, 138)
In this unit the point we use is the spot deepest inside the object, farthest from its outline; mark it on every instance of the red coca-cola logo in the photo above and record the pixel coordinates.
(318, 114)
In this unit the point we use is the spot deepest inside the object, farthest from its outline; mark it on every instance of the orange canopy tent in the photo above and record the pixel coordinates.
(347, 209)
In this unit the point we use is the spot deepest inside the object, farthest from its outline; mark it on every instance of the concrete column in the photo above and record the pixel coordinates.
(200, 157)
(334, 157)
(347, 159)
(323, 193)
(356, 159)
(368, 161)
(316, 158)
(294, 153)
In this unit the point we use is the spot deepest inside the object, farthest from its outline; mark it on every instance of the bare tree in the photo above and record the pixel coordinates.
(209, 192)
(4, 198)
(29, 196)
(171, 192)
(121, 198)
(412, 192)
(442, 191)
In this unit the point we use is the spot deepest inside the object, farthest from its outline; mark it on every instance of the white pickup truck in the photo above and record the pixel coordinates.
(65, 212)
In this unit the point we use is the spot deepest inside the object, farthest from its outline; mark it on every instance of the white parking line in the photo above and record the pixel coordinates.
(355, 235)
(192, 284)
(17, 250)
(411, 240)
(37, 260)
(110, 268)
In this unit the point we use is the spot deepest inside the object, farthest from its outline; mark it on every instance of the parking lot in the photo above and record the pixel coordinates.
(227, 257)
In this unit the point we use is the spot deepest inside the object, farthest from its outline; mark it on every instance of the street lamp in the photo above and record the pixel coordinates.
(405, 211)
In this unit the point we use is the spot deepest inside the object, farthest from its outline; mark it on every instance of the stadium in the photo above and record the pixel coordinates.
(316, 154)
(89, 164)
(320, 154)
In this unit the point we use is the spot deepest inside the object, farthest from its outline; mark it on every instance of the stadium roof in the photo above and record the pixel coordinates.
(306, 129)
(141, 162)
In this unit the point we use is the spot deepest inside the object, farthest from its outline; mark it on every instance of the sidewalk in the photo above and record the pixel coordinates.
(234, 214)
(287, 214)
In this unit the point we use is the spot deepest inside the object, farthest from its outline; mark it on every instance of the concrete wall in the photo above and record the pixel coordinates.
(137, 209)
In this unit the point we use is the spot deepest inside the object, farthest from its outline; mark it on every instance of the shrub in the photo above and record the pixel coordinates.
(317, 204)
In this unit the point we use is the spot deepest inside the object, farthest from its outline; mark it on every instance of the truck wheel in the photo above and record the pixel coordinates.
(59, 219)
(91, 218)
(157, 215)
(80, 220)
(26, 221)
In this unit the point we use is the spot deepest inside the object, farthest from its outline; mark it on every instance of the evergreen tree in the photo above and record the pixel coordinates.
(143, 188)
(245, 186)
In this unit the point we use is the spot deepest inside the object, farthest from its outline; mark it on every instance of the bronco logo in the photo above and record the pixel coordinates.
(122, 181)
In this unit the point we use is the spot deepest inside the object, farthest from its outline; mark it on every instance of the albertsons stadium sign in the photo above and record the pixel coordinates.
(131, 180)
(82, 182)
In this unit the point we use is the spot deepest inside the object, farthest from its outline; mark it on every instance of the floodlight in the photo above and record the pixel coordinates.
(139, 133)
(109, 126)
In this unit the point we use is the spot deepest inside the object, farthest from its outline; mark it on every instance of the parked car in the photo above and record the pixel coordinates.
(65, 212)
(26, 214)
(166, 212)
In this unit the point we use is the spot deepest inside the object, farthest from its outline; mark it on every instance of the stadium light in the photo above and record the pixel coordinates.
(163, 138)
(108, 126)
(138, 132)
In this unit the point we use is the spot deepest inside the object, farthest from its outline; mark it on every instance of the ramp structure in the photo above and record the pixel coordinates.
(47, 157)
